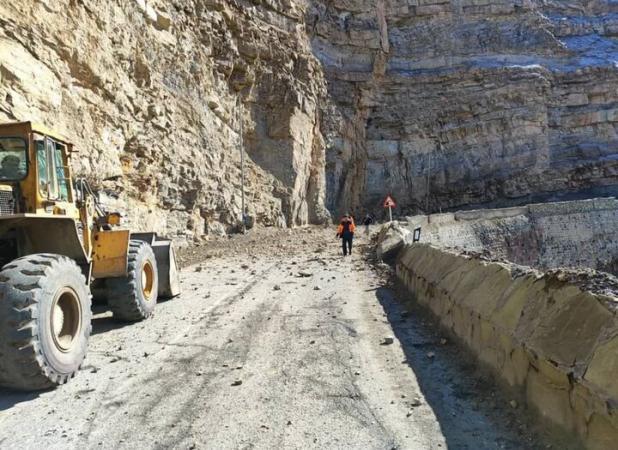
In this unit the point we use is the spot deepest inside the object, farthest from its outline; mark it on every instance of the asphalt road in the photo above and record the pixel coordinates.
(278, 350)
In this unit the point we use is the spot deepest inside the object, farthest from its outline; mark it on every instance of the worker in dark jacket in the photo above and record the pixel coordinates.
(368, 220)
(345, 232)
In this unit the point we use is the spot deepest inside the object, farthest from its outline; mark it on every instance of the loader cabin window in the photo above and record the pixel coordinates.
(53, 180)
(13, 159)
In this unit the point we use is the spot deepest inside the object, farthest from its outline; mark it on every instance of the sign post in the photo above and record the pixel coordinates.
(241, 144)
(390, 204)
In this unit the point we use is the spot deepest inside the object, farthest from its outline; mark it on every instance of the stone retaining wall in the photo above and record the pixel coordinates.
(551, 336)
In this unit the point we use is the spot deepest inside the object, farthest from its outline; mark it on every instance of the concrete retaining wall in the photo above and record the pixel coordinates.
(547, 335)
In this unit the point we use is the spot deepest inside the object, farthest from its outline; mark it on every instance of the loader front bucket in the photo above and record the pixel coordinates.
(169, 281)
(167, 268)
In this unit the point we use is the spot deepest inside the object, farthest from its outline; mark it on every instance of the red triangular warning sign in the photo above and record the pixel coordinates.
(389, 202)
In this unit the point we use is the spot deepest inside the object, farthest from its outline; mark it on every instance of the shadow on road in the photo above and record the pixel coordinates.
(473, 413)
(102, 322)
(9, 398)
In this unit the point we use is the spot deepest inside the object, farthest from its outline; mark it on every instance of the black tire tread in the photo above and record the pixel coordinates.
(123, 293)
(22, 284)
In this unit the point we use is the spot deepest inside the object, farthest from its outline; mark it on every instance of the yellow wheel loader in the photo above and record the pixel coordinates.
(55, 241)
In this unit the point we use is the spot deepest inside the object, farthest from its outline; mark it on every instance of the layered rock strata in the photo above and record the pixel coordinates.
(451, 103)
(442, 103)
(153, 94)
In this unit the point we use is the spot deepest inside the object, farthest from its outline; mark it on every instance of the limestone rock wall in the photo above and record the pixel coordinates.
(446, 103)
(552, 337)
(487, 102)
(149, 91)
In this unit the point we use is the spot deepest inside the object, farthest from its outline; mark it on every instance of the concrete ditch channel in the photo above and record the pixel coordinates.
(549, 336)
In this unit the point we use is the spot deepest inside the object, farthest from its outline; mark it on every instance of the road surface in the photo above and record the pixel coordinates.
(270, 346)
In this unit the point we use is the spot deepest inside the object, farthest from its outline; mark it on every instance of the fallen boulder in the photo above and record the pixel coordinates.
(390, 240)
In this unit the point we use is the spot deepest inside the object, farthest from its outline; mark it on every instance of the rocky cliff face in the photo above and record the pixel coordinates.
(447, 103)
(341, 101)
(153, 92)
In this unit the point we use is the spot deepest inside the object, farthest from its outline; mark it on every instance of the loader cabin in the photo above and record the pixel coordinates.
(34, 171)
(38, 211)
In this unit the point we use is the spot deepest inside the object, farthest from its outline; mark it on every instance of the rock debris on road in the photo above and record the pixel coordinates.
(273, 344)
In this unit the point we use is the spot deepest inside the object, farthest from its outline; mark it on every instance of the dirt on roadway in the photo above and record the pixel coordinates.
(276, 342)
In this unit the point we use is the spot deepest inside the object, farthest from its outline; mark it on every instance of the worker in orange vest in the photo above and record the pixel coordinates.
(345, 232)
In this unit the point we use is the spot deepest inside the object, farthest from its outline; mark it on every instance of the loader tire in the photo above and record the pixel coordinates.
(134, 297)
(45, 321)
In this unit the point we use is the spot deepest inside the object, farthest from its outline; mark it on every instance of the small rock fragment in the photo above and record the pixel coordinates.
(237, 383)
(387, 341)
